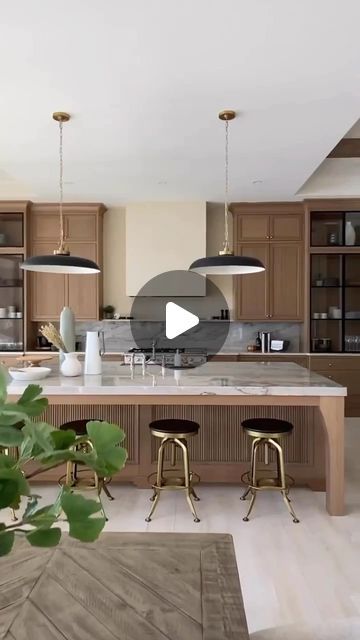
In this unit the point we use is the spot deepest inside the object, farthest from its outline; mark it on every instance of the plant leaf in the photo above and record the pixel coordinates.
(43, 518)
(3, 384)
(63, 439)
(8, 492)
(10, 437)
(31, 392)
(79, 512)
(11, 414)
(40, 434)
(44, 537)
(31, 506)
(17, 476)
(104, 435)
(6, 542)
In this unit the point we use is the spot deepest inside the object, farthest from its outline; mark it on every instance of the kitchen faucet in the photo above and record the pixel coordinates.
(153, 352)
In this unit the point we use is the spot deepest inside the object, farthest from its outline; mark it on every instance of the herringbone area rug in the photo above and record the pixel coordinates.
(130, 586)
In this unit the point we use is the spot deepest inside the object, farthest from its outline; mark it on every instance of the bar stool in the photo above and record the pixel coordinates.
(267, 432)
(72, 477)
(173, 433)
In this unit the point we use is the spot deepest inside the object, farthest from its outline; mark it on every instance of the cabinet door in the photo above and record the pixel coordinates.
(251, 290)
(83, 297)
(80, 227)
(45, 227)
(286, 227)
(251, 227)
(47, 290)
(286, 282)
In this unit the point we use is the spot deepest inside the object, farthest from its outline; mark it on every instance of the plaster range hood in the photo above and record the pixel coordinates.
(164, 236)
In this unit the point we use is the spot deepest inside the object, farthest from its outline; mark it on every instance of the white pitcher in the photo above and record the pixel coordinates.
(93, 352)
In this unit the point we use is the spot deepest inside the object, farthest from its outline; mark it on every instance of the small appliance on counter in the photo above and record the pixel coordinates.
(279, 345)
(265, 337)
(93, 352)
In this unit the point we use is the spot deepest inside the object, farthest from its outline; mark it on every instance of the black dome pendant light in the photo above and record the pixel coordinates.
(225, 263)
(60, 261)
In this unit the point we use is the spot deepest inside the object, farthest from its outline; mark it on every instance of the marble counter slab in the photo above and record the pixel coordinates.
(212, 378)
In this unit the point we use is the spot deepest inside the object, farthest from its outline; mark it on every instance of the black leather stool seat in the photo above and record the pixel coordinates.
(174, 425)
(79, 426)
(267, 425)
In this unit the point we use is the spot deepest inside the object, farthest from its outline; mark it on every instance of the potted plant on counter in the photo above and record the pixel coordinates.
(108, 312)
(49, 447)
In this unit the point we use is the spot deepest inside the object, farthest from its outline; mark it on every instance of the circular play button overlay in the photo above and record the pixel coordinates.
(179, 310)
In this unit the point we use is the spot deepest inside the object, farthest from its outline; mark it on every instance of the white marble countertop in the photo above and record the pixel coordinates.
(215, 378)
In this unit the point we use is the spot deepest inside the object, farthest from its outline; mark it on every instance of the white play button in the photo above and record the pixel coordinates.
(178, 320)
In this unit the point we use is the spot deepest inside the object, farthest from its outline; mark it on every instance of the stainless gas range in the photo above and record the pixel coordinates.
(192, 357)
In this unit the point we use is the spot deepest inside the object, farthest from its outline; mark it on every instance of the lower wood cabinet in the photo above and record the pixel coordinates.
(346, 371)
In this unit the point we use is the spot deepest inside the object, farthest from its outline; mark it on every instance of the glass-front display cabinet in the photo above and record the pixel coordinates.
(335, 229)
(12, 253)
(335, 282)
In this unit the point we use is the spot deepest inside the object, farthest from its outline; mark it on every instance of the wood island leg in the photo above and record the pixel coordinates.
(332, 411)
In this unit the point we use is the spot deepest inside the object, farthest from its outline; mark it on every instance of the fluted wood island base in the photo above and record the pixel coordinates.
(218, 396)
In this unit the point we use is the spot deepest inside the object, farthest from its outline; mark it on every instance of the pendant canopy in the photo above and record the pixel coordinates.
(226, 263)
(61, 261)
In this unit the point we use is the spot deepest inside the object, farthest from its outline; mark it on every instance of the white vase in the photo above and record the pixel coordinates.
(350, 234)
(71, 366)
(67, 330)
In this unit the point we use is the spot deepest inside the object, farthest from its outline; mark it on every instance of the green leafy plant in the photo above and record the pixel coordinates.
(48, 447)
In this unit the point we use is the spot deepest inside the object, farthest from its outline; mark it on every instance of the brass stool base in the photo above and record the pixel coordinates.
(279, 482)
(173, 479)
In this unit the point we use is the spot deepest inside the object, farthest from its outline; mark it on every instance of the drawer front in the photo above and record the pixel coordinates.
(341, 363)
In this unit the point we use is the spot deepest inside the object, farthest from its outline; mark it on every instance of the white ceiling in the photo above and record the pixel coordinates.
(144, 80)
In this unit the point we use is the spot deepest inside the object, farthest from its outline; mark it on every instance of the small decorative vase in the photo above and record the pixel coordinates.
(67, 330)
(71, 366)
(350, 234)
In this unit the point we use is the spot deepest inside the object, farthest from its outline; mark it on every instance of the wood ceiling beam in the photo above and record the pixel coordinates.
(346, 148)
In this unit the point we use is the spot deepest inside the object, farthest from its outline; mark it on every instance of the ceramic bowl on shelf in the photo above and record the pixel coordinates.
(29, 374)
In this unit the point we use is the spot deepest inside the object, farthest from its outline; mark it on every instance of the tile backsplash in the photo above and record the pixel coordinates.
(119, 338)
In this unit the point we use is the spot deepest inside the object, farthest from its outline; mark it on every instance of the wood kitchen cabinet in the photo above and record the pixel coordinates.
(83, 291)
(286, 281)
(275, 294)
(49, 293)
(346, 371)
(47, 290)
(251, 291)
(267, 222)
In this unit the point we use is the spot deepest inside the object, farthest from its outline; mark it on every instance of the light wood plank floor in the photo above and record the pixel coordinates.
(290, 574)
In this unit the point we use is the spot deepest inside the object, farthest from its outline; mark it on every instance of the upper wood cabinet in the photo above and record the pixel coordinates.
(252, 291)
(286, 280)
(49, 293)
(78, 227)
(84, 291)
(268, 222)
(275, 294)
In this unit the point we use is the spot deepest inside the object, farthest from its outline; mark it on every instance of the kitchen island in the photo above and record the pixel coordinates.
(219, 396)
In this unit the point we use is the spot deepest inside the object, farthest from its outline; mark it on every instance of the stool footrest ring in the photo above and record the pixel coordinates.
(266, 482)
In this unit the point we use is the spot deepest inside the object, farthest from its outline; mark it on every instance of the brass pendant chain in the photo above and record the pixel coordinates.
(61, 188)
(226, 116)
(226, 209)
(61, 117)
